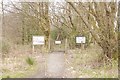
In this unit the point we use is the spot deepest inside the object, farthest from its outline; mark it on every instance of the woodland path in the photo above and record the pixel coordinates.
(53, 67)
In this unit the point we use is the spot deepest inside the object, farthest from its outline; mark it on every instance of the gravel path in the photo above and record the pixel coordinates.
(53, 67)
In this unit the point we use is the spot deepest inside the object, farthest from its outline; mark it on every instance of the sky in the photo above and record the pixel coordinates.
(59, 0)
(7, 1)
(33, 0)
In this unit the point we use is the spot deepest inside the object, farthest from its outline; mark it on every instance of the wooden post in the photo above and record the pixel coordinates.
(49, 46)
(66, 45)
(33, 49)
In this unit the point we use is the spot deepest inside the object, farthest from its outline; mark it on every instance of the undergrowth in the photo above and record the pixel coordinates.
(30, 61)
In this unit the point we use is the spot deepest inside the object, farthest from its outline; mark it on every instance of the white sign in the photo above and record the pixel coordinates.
(57, 42)
(38, 40)
(80, 39)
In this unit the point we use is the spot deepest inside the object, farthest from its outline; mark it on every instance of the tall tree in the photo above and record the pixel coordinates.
(104, 17)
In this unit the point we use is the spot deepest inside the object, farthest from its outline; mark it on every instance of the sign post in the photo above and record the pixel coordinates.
(58, 42)
(80, 40)
(38, 40)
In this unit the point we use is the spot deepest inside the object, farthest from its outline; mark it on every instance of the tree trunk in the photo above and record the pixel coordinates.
(47, 36)
(23, 34)
(105, 38)
(119, 30)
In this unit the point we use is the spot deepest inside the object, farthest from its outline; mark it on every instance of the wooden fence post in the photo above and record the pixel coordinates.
(66, 45)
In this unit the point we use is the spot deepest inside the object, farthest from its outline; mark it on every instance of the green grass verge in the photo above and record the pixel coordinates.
(21, 74)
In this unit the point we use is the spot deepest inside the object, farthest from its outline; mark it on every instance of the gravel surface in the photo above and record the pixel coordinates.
(53, 67)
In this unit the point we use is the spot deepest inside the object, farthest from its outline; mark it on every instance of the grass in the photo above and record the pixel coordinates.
(17, 64)
(30, 61)
(5, 48)
(20, 74)
(86, 64)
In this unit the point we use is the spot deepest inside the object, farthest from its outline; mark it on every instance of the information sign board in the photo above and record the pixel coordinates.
(38, 40)
(80, 39)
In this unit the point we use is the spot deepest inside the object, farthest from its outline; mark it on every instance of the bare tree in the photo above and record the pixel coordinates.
(102, 29)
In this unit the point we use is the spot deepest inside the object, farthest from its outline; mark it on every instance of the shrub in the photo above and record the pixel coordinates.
(8, 76)
(30, 61)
